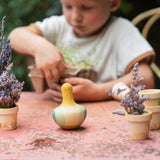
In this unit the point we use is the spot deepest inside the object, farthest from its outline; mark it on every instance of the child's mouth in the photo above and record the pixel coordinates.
(78, 27)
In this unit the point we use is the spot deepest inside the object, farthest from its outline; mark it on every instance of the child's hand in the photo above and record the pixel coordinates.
(84, 89)
(50, 62)
(55, 93)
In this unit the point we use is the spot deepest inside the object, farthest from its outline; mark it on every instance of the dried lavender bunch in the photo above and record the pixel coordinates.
(133, 101)
(5, 49)
(10, 87)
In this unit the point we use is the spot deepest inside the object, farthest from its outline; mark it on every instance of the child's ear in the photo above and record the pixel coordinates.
(115, 5)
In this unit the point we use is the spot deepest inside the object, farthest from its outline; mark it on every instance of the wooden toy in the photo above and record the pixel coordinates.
(69, 115)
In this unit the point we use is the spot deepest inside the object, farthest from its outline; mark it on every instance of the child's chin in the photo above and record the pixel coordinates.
(79, 34)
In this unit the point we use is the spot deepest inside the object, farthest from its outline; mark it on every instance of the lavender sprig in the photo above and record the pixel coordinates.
(10, 90)
(133, 102)
(10, 87)
(5, 50)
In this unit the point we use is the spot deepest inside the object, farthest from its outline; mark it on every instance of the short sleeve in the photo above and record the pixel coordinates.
(132, 48)
(51, 27)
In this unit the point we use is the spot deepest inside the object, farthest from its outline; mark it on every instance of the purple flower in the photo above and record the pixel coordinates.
(120, 90)
(133, 102)
(10, 87)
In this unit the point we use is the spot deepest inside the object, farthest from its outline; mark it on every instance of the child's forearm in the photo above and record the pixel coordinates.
(145, 72)
(25, 40)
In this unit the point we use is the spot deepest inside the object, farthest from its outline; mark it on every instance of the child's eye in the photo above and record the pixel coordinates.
(86, 7)
(68, 6)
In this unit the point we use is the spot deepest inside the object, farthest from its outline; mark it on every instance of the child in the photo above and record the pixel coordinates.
(89, 25)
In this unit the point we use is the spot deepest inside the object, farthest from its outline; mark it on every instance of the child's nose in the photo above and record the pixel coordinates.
(76, 15)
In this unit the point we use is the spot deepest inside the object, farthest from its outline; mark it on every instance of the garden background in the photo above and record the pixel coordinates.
(24, 12)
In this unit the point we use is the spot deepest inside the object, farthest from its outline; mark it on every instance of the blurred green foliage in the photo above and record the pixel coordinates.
(24, 12)
(21, 13)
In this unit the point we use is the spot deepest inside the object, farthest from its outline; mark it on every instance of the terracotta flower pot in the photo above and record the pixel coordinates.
(82, 72)
(38, 81)
(153, 105)
(154, 97)
(155, 121)
(8, 118)
(138, 125)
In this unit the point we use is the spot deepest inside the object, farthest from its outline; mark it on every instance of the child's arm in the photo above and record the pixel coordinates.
(86, 90)
(47, 57)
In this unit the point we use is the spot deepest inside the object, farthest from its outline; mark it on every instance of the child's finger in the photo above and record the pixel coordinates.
(75, 80)
(42, 73)
(56, 86)
(61, 70)
(48, 74)
(54, 93)
(56, 99)
(55, 73)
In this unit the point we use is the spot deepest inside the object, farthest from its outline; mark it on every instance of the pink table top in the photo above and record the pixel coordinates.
(102, 136)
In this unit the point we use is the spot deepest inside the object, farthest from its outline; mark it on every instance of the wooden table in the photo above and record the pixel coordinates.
(102, 136)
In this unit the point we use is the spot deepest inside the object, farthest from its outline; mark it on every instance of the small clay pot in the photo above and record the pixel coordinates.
(38, 81)
(154, 97)
(138, 125)
(155, 121)
(153, 104)
(8, 118)
(82, 72)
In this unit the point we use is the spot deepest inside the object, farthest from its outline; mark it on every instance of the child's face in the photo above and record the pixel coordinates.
(86, 17)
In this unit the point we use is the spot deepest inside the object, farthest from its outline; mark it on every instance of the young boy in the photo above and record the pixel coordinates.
(88, 25)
